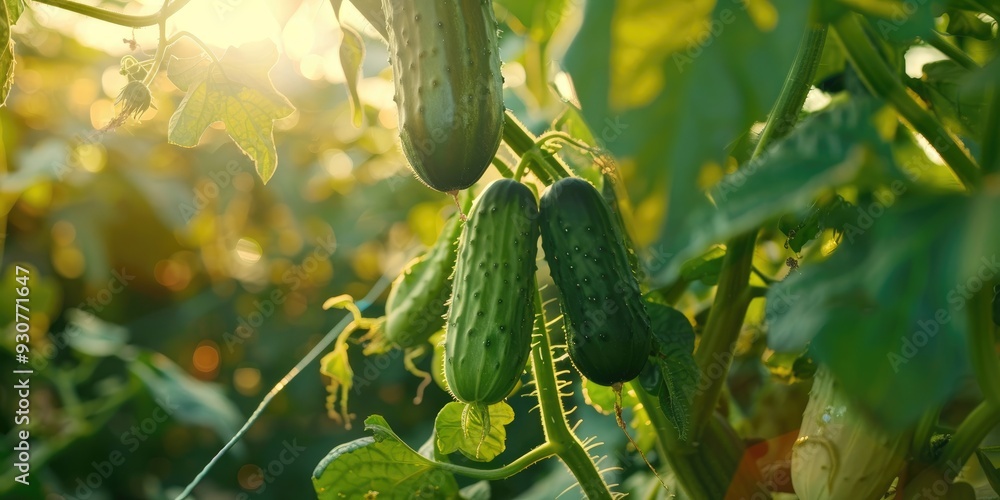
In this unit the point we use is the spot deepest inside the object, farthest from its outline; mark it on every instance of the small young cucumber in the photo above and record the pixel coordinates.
(607, 327)
(449, 91)
(488, 334)
(419, 296)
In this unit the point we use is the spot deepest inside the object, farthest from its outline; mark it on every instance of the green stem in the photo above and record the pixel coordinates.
(954, 53)
(970, 433)
(534, 456)
(723, 326)
(982, 346)
(991, 134)
(161, 51)
(502, 167)
(881, 81)
(117, 17)
(732, 298)
(557, 430)
(524, 144)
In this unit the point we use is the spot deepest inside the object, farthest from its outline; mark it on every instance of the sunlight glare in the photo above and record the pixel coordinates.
(225, 23)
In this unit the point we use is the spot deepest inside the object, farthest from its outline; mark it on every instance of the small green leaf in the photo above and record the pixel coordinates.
(959, 105)
(382, 465)
(705, 267)
(9, 11)
(989, 470)
(600, 397)
(14, 10)
(830, 212)
(236, 91)
(336, 365)
(838, 146)
(352, 55)
(674, 338)
(966, 23)
(454, 434)
(186, 398)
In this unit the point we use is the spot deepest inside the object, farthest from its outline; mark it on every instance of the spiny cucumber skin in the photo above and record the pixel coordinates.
(607, 327)
(418, 300)
(490, 317)
(449, 90)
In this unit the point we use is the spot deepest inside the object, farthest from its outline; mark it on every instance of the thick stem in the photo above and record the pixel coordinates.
(523, 143)
(557, 430)
(732, 298)
(881, 81)
(982, 346)
(954, 53)
(991, 134)
(715, 352)
(117, 17)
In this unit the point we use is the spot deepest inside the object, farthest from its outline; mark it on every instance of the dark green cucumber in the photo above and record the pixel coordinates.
(418, 300)
(449, 91)
(607, 327)
(488, 334)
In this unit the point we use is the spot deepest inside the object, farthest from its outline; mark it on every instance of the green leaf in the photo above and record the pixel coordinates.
(352, 55)
(899, 20)
(836, 147)
(674, 338)
(9, 12)
(886, 312)
(372, 12)
(381, 466)
(14, 10)
(186, 398)
(459, 428)
(539, 17)
(93, 336)
(965, 23)
(705, 267)
(956, 104)
(671, 99)
(236, 91)
(600, 397)
(830, 212)
(989, 470)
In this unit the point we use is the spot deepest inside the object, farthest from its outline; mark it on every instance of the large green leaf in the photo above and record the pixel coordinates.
(671, 99)
(459, 428)
(886, 312)
(955, 103)
(381, 465)
(236, 91)
(838, 146)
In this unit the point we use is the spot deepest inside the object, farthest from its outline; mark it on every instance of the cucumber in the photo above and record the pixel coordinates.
(449, 90)
(418, 300)
(489, 322)
(607, 327)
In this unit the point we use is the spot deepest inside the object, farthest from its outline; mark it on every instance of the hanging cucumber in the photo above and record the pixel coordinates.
(607, 327)
(449, 91)
(488, 335)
